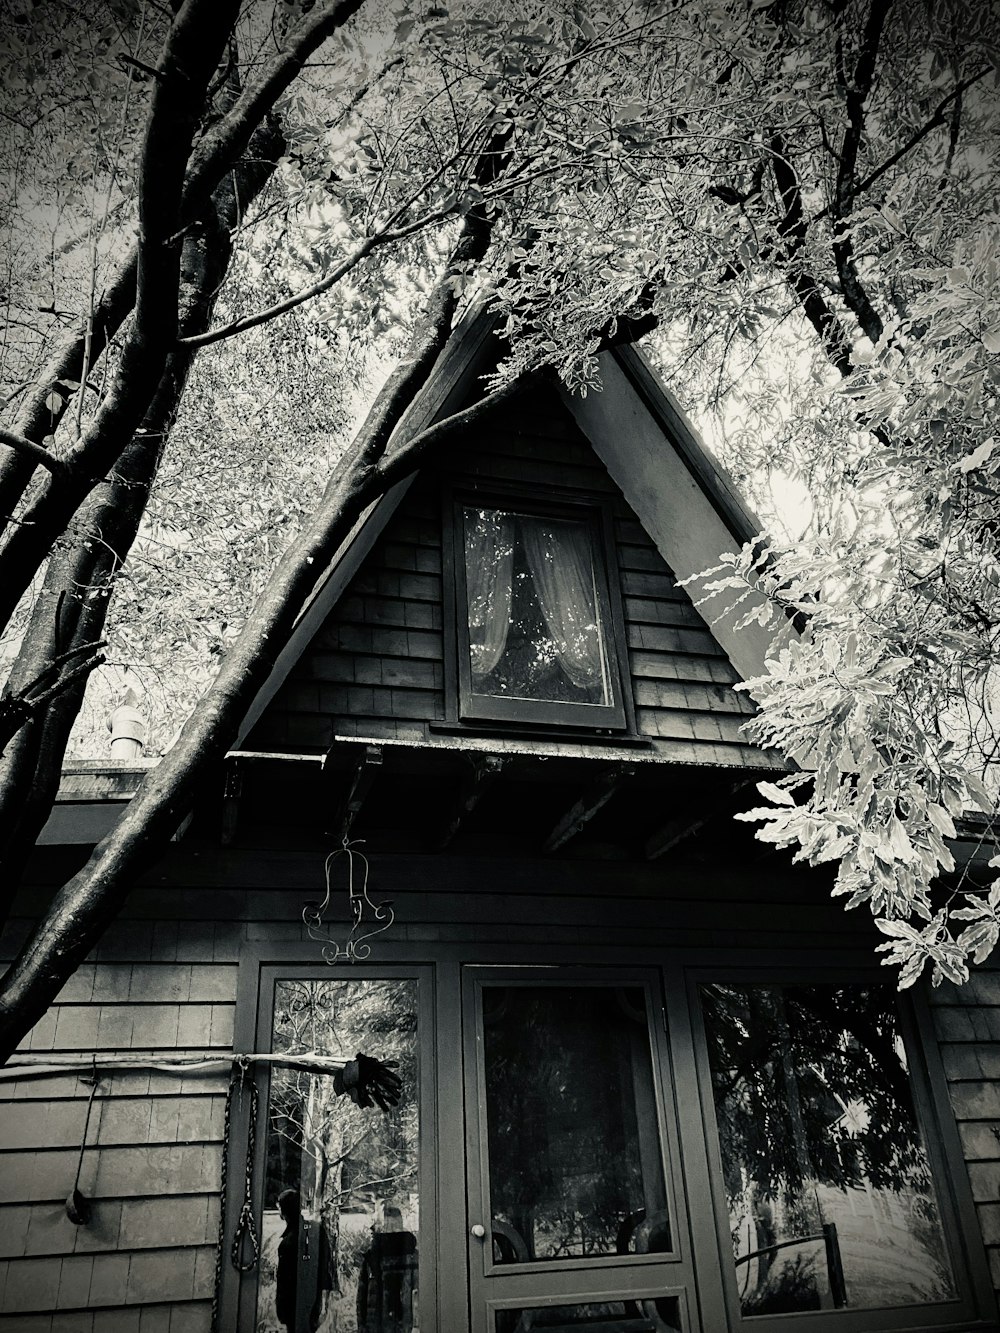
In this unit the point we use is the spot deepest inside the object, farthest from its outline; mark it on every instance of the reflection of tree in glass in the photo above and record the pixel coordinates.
(565, 1068)
(817, 1125)
(348, 1162)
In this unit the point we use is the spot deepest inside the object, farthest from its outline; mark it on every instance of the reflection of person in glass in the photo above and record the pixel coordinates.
(287, 1277)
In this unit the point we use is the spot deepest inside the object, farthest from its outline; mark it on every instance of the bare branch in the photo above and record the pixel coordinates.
(31, 450)
(852, 287)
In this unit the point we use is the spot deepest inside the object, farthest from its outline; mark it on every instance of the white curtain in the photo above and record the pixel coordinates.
(489, 558)
(560, 557)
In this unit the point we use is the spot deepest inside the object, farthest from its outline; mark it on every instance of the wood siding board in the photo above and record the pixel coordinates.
(651, 665)
(557, 476)
(663, 611)
(641, 558)
(710, 699)
(662, 638)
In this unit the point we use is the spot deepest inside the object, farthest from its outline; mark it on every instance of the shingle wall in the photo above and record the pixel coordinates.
(145, 1261)
(376, 669)
(967, 1021)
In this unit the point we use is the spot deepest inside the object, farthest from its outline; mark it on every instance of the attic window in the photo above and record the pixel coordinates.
(536, 640)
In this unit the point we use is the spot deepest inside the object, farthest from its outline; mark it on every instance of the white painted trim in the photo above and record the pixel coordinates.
(669, 501)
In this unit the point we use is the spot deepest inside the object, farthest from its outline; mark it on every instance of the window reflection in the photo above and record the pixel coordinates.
(827, 1181)
(341, 1208)
(534, 621)
(575, 1166)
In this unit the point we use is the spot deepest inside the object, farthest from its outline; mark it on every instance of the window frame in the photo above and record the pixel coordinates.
(465, 707)
(700, 1274)
(261, 969)
(939, 1131)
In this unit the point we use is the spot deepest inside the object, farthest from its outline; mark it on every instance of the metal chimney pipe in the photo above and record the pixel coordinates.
(128, 732)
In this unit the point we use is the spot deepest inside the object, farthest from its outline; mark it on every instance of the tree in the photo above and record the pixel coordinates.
(792, 180)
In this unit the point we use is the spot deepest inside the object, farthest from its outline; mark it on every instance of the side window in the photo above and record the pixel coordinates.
(536, 629)
(826, 1178)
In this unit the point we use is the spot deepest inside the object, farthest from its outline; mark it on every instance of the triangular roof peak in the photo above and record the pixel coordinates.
(680, 492)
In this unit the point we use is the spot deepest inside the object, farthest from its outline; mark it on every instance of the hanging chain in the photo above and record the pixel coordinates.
(246, 1226)
(246, 1220)
(221, 1242)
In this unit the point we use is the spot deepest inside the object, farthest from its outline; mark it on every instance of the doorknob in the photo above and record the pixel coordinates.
(479, 1231)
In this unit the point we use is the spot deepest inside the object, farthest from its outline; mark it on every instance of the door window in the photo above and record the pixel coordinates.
(575, 1168)
(341, 1216)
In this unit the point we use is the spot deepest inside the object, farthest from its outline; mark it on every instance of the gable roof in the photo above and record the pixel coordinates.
(681, 494)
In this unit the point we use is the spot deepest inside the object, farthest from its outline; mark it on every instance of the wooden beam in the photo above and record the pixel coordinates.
(583, 811)
(693, 817)
(480, 775)
(232, 790)
(366, 770)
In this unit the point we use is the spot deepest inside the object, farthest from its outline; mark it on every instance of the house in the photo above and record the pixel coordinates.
(651, 1079)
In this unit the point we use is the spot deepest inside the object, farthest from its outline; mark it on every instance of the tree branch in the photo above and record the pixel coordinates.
(17, 709)
(35, 451)
(213, 156)
(937, 121)
(370, 243)
(489, 166)
(852, 287)
(194, 46)
(792, 226)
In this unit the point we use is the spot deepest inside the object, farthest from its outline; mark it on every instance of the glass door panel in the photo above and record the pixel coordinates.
(341, 1215)
(827, 1179)
(575, 1168)
(568, 1186)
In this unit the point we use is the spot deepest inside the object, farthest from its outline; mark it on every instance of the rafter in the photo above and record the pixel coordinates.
(481, 775)
(366, 770)
(597, 795)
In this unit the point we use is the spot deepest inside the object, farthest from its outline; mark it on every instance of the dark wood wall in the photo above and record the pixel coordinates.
(164, 982)
(376, 669)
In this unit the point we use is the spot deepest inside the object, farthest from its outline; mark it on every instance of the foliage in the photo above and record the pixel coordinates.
(800, 194)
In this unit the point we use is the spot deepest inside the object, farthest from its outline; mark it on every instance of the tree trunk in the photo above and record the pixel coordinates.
(82, 909)
(73, 605)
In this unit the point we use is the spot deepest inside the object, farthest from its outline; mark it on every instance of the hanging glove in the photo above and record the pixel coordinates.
(371, 1082)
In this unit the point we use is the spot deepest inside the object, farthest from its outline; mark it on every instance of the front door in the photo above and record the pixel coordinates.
(572, 1217)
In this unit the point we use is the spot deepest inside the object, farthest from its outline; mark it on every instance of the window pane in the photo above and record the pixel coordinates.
(341, 1210)
(534, 611)
(644, 1316)
(827, 1181)
(574, 1155)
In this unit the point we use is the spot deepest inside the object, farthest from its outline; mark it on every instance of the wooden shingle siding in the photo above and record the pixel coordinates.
(967, 1021)
(376, 669)
(153, 1164)
(154, 1144)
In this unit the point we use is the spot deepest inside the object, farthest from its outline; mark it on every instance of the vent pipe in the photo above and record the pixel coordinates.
(128, 729)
